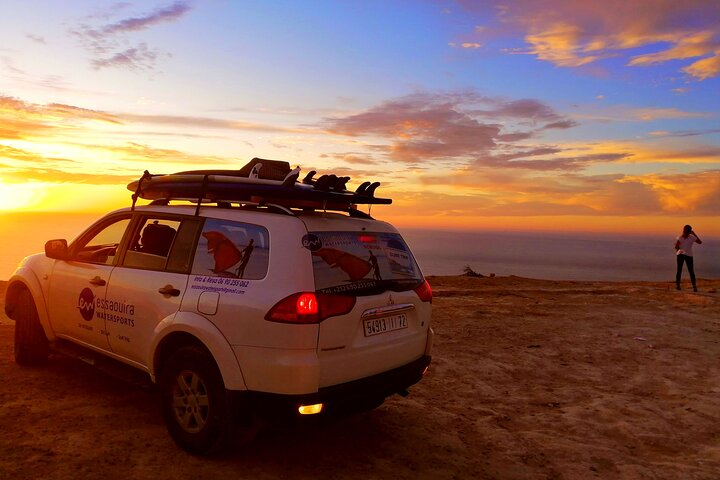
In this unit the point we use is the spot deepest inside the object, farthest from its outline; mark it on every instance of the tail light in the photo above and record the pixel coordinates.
(308, 307)
(424, 292)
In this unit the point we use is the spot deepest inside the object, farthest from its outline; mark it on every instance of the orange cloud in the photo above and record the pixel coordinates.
(493, 193)
(19, 119)
(693, 45)
(648, 114)
(69, 129)
(705, 68)
(450, 126)
(355, 159)
(136, 152)
(10, 106)
(562, 45)
(571, 33)
(686, 193)
(53, 175)
(205, 122)
(465, 155)
(57, 142)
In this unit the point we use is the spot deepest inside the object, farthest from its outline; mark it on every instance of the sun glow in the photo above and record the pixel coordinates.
(21, 197)
(58, 197)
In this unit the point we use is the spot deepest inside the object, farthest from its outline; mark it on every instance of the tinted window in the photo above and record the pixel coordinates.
(100, 246)
(232, 250)
(150, 247)
(183, 247)
(361, 262)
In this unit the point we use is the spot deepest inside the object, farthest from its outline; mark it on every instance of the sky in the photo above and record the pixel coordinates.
(547, 115)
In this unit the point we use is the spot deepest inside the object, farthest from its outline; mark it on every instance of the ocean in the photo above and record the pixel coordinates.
(552, 256)
(558, 256)
(22, 234)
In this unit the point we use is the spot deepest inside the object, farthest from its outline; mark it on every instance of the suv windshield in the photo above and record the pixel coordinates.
(361, 263)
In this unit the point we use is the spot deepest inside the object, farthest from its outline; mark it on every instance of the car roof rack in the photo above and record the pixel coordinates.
(261, 183)
(271, 207)
(260, 205)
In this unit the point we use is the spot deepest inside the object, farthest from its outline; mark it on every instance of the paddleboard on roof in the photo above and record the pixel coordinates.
(261, 180)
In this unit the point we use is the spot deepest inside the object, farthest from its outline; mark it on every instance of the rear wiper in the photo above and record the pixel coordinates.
(402, 284)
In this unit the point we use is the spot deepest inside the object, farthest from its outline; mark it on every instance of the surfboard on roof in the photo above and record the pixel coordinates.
(260, 181)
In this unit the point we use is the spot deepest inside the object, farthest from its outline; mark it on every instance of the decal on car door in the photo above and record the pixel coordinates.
(229, 255)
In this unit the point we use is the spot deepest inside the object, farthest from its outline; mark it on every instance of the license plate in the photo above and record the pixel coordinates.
(377, 326)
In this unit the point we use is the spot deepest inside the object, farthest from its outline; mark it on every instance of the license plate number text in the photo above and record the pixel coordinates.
(376, 326)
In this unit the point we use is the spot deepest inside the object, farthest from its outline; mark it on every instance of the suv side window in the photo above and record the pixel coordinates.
(232, 249)
(162, 244)
(151, 243)
(101, 246)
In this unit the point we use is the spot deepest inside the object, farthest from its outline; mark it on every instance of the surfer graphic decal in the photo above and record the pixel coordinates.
(232, 250)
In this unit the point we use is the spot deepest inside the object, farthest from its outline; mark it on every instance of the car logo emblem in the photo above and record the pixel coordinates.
(86, 304)
(390, 300)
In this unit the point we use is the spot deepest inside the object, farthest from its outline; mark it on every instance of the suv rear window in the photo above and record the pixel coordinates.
(361, 263)
(232, 250)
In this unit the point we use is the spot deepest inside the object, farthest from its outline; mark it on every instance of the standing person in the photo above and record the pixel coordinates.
(246, 252)
(683, 249)
(375, 266)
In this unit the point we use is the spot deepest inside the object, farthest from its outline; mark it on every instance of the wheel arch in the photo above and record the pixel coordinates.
(26, 281)
(190, 329)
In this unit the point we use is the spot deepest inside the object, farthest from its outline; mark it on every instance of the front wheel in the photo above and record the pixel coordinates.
(197, 409)
(31, 345)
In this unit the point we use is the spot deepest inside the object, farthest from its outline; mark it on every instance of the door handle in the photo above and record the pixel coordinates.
(98, 281)
(169, 290)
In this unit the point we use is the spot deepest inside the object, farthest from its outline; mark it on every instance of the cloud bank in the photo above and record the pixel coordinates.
(570, 33)
(108, 42)
(452, 126)
(492, 156)
(445, 153)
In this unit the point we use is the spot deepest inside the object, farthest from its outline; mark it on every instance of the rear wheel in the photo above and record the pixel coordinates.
(31, 345)
(197, 409)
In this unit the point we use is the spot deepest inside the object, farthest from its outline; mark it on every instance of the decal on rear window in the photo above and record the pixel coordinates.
(352, 262)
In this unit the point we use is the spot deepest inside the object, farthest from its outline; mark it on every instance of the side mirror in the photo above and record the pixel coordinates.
(57, 249)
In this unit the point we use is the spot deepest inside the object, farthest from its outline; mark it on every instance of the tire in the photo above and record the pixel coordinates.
(31, 344)
(198, 411)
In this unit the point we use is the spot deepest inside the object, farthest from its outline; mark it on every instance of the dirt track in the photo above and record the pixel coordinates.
(530, 379)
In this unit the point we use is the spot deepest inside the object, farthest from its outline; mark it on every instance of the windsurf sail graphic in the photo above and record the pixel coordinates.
(223, 250)
(355, 267)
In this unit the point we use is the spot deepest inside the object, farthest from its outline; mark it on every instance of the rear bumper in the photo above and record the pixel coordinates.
(347, 397)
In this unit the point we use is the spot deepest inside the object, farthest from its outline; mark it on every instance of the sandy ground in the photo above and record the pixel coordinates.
(530, 380)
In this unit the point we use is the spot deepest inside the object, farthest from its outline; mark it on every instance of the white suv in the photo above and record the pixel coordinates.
(234, 310)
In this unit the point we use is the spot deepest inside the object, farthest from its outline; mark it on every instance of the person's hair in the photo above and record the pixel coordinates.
(687, 228)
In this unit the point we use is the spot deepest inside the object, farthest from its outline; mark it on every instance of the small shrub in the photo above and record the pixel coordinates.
(469, 272)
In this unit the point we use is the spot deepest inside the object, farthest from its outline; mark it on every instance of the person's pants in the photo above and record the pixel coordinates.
(685, 259)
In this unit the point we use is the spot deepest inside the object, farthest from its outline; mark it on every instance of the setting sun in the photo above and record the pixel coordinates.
(19, 197)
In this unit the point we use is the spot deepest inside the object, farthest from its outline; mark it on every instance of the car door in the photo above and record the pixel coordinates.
(149, 282)
(78, 285)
